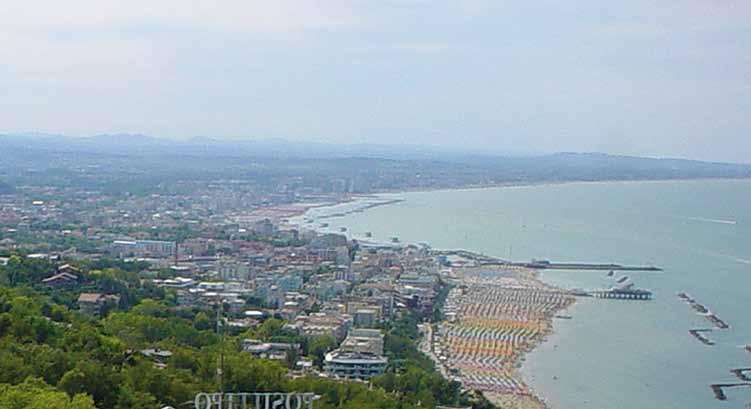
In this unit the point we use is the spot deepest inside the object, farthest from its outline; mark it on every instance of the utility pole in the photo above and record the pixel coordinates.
(220, 331)
(177, 252)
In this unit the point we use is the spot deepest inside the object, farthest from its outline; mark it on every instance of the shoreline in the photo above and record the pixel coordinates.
(517, 331)
(550, 183)
(539, 375)
(502, 315)
(292, 210)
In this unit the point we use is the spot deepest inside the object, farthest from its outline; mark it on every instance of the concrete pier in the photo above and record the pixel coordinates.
(622, 294)
(699, 334)
(704, 311)
(588, 266)
(719, 388)
(742, 373)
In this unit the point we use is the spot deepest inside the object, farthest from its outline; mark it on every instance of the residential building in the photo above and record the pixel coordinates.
(270, 350)
(61, 280)
(360, 356)
(94, 303)
(154, 248)
(318, 324)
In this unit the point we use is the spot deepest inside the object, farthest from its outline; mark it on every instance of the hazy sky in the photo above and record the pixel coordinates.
(634, 77)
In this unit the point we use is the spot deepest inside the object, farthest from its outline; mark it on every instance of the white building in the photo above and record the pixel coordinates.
(360, 356)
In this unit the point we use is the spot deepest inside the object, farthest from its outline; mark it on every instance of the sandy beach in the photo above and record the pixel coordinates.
(494, 316)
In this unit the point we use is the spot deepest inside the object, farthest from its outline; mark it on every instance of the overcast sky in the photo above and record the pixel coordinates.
(662, 78)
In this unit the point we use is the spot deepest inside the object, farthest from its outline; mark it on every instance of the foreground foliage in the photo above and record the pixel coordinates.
(53, 357)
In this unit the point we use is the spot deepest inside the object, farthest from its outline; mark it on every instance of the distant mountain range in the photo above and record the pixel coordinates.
(125, 143)
(5, 187)
(43, 158)
(271, 147)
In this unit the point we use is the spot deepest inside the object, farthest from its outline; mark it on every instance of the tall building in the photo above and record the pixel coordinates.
(360, 356)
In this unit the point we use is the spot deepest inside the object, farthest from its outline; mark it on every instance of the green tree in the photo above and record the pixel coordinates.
(47, 362)
(33, 393)
(202, 321)
(130, 399)
(245, 373)
(96, 380)
(319, 346)
(12, 367)
(270, 328)
(151, 308)
(144, 377)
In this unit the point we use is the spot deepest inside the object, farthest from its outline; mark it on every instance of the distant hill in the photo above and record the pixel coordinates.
(140, 162)
(598, 166)
(119, 144)
(5, 187)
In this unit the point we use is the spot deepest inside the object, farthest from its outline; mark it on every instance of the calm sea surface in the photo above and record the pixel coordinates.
(612, 354)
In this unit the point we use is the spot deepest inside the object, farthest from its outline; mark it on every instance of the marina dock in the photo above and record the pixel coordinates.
(618, 294)
(623, 292)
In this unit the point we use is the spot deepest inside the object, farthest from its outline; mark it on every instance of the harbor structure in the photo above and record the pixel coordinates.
(622, 294)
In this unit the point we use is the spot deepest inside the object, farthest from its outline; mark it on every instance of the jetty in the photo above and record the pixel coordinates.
(622, 294)
(479, 258)
(547, 265)
(485, 260)
(623, 291)
(699, 334)
(704, 311)
(742, 373)
(719, 388)
(361, 209)
(717, 322)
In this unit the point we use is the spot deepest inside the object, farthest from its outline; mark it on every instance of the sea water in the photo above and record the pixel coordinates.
(611, 354)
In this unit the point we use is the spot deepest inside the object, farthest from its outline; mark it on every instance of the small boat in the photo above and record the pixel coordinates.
(368, 234)
(622, 279)
(342, 229)
(610, 274)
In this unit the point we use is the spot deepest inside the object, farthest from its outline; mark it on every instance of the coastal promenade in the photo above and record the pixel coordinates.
(492, 319)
